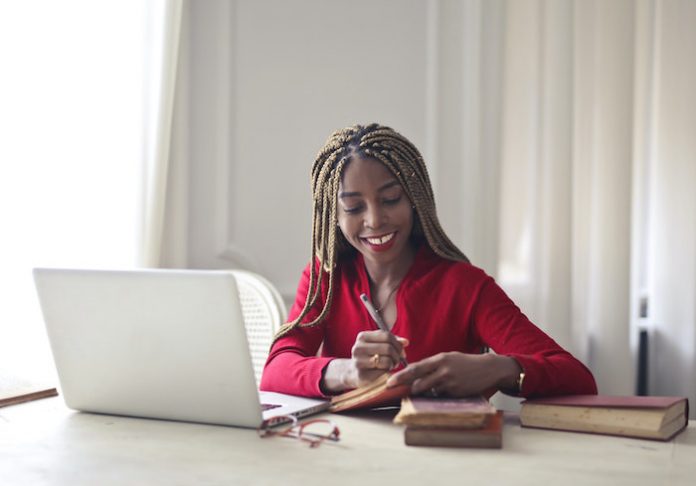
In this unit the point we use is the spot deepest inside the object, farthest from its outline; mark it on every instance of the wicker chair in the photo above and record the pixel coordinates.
(263, 310)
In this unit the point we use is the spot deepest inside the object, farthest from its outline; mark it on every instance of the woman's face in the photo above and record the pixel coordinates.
(374, 213)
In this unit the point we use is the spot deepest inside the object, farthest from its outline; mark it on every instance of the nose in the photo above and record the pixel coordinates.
(374, 216)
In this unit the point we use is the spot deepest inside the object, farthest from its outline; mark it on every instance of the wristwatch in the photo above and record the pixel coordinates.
(519, 382)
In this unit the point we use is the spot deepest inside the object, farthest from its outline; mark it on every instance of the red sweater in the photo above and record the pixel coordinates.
(442, 305)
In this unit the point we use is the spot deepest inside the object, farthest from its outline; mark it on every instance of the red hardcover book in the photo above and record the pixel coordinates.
(658, 418)
(490, 436)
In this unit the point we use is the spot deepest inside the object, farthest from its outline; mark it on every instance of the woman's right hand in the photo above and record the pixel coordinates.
(373, 354)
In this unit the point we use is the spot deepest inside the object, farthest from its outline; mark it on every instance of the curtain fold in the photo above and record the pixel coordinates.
(160, 99)
(597, 171)
(565, 199)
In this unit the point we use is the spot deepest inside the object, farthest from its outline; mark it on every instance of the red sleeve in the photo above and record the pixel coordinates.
(549, 369)
(293, 366)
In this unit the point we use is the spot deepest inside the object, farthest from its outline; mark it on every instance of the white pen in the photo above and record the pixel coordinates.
(378, 320)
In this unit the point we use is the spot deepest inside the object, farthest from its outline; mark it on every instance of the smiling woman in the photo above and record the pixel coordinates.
(376, 217)
(376, 232)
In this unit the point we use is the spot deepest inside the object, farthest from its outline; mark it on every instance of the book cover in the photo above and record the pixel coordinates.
(375, 394)
(469, 412)
(490, 436)
(658, 418)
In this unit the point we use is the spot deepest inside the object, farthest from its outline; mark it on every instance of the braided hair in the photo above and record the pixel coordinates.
(403, 160)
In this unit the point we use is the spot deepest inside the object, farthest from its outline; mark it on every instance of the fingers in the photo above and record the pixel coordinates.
(374, 362)
(404, 342)
(434, 383)
(378, 350)
(381, 337)
(452, 374)
(381, 356)
(421, 376)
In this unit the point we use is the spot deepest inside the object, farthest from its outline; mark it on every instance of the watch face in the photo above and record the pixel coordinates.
(520, 381)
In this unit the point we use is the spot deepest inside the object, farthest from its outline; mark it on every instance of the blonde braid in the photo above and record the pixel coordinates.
(401, 158)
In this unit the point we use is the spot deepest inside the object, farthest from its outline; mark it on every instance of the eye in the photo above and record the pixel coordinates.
(353, 210)
(390, 201)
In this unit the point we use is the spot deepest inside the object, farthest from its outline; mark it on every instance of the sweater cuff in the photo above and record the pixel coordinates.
(318, 368)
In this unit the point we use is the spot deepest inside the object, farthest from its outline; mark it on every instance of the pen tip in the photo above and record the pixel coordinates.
(363, 297)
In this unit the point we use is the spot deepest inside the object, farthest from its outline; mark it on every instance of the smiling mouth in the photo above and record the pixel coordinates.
(380, 240)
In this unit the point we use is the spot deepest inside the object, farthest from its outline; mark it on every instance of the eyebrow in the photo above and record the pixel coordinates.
(384, 187)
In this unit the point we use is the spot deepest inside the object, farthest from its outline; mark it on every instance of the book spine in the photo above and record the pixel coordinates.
(450, 438)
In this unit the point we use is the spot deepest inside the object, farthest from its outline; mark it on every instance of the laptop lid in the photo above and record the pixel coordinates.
(166, 344)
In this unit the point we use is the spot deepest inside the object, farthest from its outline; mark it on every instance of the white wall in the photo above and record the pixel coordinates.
(269, 81)
(265, 82)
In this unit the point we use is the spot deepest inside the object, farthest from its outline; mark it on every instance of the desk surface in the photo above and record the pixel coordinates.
(43, 442)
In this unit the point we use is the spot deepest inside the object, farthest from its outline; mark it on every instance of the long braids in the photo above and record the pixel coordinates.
(328, 243)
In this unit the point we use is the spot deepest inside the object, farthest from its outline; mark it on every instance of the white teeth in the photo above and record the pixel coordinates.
(380, 241)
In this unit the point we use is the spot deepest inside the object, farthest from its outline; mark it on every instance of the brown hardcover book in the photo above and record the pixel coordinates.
(14, 391)
(658, 418)
(470, 412)
(490, 436)
(375, 394)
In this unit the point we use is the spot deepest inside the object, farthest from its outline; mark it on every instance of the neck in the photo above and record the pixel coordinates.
(392, 272)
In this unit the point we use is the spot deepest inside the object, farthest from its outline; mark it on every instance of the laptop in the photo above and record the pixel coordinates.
(164, 344)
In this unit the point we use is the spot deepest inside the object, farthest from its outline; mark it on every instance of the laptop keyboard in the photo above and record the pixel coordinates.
(268, 406)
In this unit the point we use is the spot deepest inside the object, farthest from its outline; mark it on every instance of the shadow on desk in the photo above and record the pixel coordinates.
(382, 415)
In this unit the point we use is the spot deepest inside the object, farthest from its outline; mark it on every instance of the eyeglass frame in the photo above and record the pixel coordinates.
(296, 430)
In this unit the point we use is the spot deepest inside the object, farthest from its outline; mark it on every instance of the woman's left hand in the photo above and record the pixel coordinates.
(457, 374)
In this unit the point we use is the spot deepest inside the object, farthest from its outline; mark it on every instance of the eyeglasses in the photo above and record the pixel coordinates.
(313, 431)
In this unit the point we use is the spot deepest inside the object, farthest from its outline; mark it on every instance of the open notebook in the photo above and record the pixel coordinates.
(166, 344)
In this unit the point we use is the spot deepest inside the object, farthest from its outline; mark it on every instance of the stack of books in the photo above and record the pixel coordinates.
(451, 422)
(657, 418)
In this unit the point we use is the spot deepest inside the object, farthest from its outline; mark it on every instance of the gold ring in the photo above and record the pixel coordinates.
(375, 360)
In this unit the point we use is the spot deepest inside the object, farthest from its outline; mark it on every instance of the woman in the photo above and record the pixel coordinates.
(375, 231)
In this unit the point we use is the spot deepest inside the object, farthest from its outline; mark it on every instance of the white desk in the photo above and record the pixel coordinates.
(43, 442)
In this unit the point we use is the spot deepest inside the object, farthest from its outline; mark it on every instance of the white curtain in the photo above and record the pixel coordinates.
(666, 159)
(565, 176)
(585, 179)
(160, 93)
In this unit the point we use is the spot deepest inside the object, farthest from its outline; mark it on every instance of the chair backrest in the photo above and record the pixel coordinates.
(263, 310)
